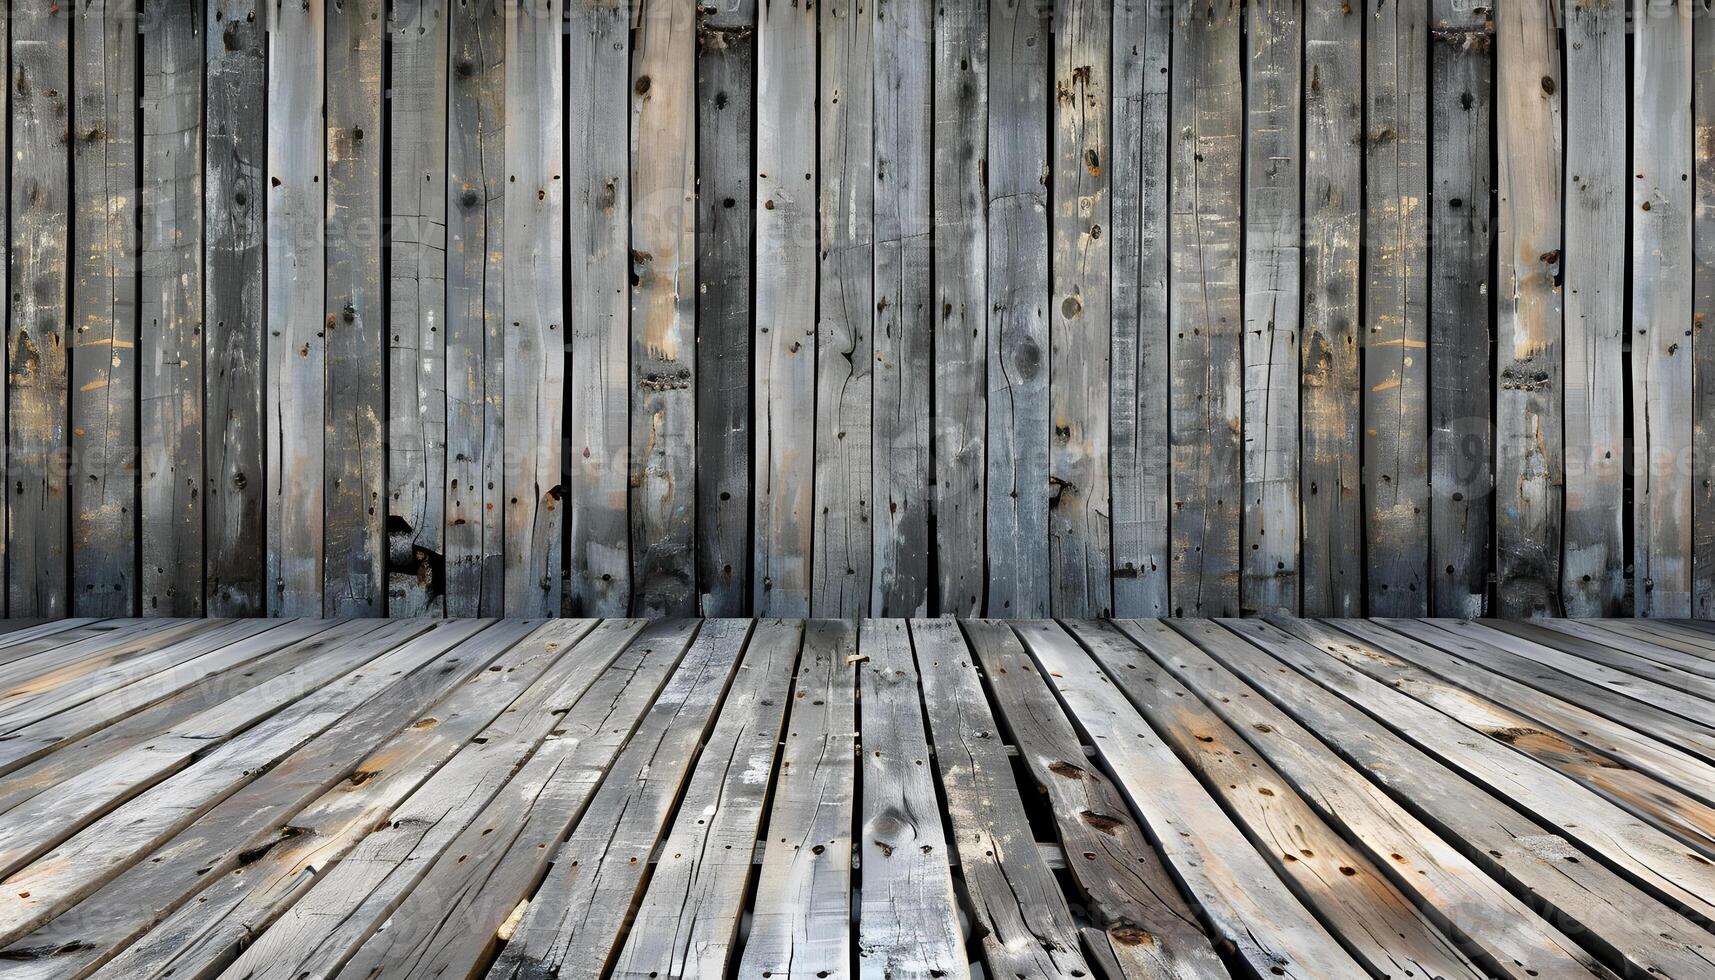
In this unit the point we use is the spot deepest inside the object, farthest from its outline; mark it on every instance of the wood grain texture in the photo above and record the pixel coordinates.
(1207, 309)
(785, 344)
(1016, 515)
(903, 324)
(960, 169)
(1528, 327)
(297, 338)
(103, 416)
(476, 284)
(1273, 210)
(1593, 565)
(535, 316)
(663, 465)
(38, 566)
(1330, 476)
(845, 548)
(726, 144)
(1138, 394)
(1080, 579)
(1703, 307)
(1396, 293)
(172, 367)
(597, 225)
(1662, 281)
(417, 299)
(235, 308)
(1461, 447)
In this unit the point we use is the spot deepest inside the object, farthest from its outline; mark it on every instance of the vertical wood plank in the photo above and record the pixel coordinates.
(1138, 399)
(663, 309)
(1395, 365)
(353, 514)
(38, 571)
(235, 308)
(904, 323)
(960, 257)
(1661, 309)
(417, 457)
(1273, 223)
(103, 387)
(1016, 515)
(785, 345)
(1703, 339)
(534, 344)
(475, 351)
(597, 220)
(1079, 535)
(296, 346)
(1593, 568)
(842, 559)
(172, 324)
(1460, 448)
(1528, 313)
(1207, 308)
(726, 112)
(6, 281)
(1329, 475)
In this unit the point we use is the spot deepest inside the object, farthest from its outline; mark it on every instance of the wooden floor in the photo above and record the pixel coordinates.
(783, 799)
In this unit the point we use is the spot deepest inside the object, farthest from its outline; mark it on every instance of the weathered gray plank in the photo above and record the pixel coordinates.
(1662, 264)
(1563, 883)
(960, 314)
(578, 914)
(1274, 221)
(1651, 858)
(1702, 308)
(1019, 911)
(1138, 395)
(235, 307)
(598, 223)
(1481, 917)
(534, 339)
(726, 112)
(52, 661)
(1347, 883)
(1593, 564)
(1016, 512)
(1528, 467)
(1080, 581)
(688, 921)
(1331, 407)
(909, 925)
(1681, 680)
(1241, 899)
(1146, 927)
(475, 351)
(1207, 308)
(172, 325)
(280, 862)
(103, 412)
(1395, 368)
(249, 824)
(6, 205)
(355, 563)
(784, 403)
(1569, 750)
(843, 556)
(801, 916)
(1461, 476)
(218, 839)
(296, 278)
(903, 324)
(322, 930)
(38, 567)
(417, 331)
(663, 309)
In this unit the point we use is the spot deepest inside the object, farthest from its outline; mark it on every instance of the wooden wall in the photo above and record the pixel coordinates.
(1005, 307)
